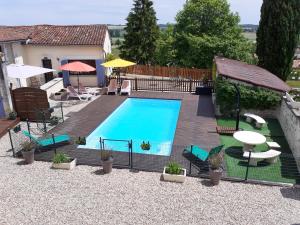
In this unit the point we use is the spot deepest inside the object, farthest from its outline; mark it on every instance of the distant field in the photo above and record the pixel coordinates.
(115, 51)
(293, 83)
(250, 35)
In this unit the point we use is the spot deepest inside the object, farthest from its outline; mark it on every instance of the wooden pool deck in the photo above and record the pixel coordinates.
(196, 125)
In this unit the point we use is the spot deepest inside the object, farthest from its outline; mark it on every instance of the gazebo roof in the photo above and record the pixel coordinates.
(251, 74)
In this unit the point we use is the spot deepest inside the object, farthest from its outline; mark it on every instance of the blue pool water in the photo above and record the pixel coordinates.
(139, 120)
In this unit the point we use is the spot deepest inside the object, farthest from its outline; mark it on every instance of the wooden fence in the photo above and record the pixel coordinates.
(176, 72)
(168, 85)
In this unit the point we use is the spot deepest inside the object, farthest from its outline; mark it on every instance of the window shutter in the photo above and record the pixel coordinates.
(100, 73)
(66, 74)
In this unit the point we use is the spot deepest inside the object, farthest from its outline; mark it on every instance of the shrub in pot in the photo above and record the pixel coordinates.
(54, 120)
(107, 160)
(174, 172)
(12, 115)
(28, 149)
(81, 141)
(63, 161)
(145, 146)
(215, 168)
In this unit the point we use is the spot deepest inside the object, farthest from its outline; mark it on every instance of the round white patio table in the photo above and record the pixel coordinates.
(250, 139)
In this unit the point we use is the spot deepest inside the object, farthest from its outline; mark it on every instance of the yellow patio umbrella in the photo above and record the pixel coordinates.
(118, 63)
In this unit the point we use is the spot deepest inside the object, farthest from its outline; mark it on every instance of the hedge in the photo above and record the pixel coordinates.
(251, 97)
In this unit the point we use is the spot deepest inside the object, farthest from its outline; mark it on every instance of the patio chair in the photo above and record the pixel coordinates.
(72, 93)
(48, 142)
(203, 154)
(126, 87)
(112, 87)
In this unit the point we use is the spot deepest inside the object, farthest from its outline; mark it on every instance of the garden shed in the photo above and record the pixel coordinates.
(249, 74)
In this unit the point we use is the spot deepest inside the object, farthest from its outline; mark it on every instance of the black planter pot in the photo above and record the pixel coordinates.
(107, 165)
(215, 176)
(28, 156)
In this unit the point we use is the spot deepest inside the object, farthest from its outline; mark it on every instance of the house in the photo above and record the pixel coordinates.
(248, 74)
(51, 46)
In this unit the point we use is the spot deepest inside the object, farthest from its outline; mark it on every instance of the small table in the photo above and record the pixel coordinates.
(250, 139)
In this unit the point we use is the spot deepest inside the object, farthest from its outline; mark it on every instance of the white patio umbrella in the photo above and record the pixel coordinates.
(20, 71)
(25, 71)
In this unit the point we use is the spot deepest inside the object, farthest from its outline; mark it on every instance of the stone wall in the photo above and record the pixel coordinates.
(289, 120)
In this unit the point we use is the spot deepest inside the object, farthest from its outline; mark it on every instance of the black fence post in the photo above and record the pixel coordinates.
(28, 128)
(53, 138)
(190, 169)
(44, 122)
(247, 171)
(62, 112)
(11, 143)
(131, 161)
(136, 83)
(191, 86)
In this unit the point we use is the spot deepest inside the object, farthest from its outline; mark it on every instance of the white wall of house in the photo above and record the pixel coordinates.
(34, 55)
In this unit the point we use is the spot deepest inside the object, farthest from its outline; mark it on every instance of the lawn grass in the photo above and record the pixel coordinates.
(285, 170)
(294, 83)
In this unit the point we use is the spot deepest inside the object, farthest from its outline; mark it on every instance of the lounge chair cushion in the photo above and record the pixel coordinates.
(203, 154)
(48, 141)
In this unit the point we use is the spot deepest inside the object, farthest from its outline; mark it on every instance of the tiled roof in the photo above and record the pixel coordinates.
(56, 35)
(250, 74)
(16, 33)
(296, 64)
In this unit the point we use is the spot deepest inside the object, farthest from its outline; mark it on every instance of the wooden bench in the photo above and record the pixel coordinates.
(270, 156)
(225, 130)
(259, 122)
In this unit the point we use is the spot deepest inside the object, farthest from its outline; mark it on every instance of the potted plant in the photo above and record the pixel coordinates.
(81, 141)
(12, 115)
(174, 173)
(145, 146)
(54, 120)
(107, 161)
(215, 168)
(27, 150)
(63, 161)
(17, 128)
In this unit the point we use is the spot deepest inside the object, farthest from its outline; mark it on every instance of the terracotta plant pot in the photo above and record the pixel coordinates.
(215, 176)
(107, 165)
(28, 156)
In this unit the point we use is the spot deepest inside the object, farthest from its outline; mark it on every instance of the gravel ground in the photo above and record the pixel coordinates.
(36, 194)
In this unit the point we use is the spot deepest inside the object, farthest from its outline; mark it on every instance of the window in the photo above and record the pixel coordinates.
(90, 62)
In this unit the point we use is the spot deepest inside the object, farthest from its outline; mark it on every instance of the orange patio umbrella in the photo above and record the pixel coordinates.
(78, 67)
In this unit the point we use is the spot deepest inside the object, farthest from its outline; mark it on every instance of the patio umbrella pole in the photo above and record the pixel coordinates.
(78, 82)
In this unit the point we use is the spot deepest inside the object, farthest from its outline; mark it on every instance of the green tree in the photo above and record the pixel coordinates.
(142, 33)
(165, 53)
(206, 28)
(277, 35)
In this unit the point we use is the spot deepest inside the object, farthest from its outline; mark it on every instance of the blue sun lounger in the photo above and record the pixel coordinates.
(201, 153)
(48, 142)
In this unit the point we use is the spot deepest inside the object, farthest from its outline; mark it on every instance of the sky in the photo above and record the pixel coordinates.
(27, 12)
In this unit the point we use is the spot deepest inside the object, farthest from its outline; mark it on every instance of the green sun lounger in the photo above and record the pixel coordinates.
(201, 153)
(47, 142)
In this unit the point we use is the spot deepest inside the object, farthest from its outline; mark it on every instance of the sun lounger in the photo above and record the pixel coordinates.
(48, 142)
(112, 87)
(203, 154)
(126, 87)
(86, 90)
(72, 93)
(270, 156)
(259, 122)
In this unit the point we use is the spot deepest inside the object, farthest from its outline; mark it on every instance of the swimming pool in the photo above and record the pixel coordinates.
(139, 120)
